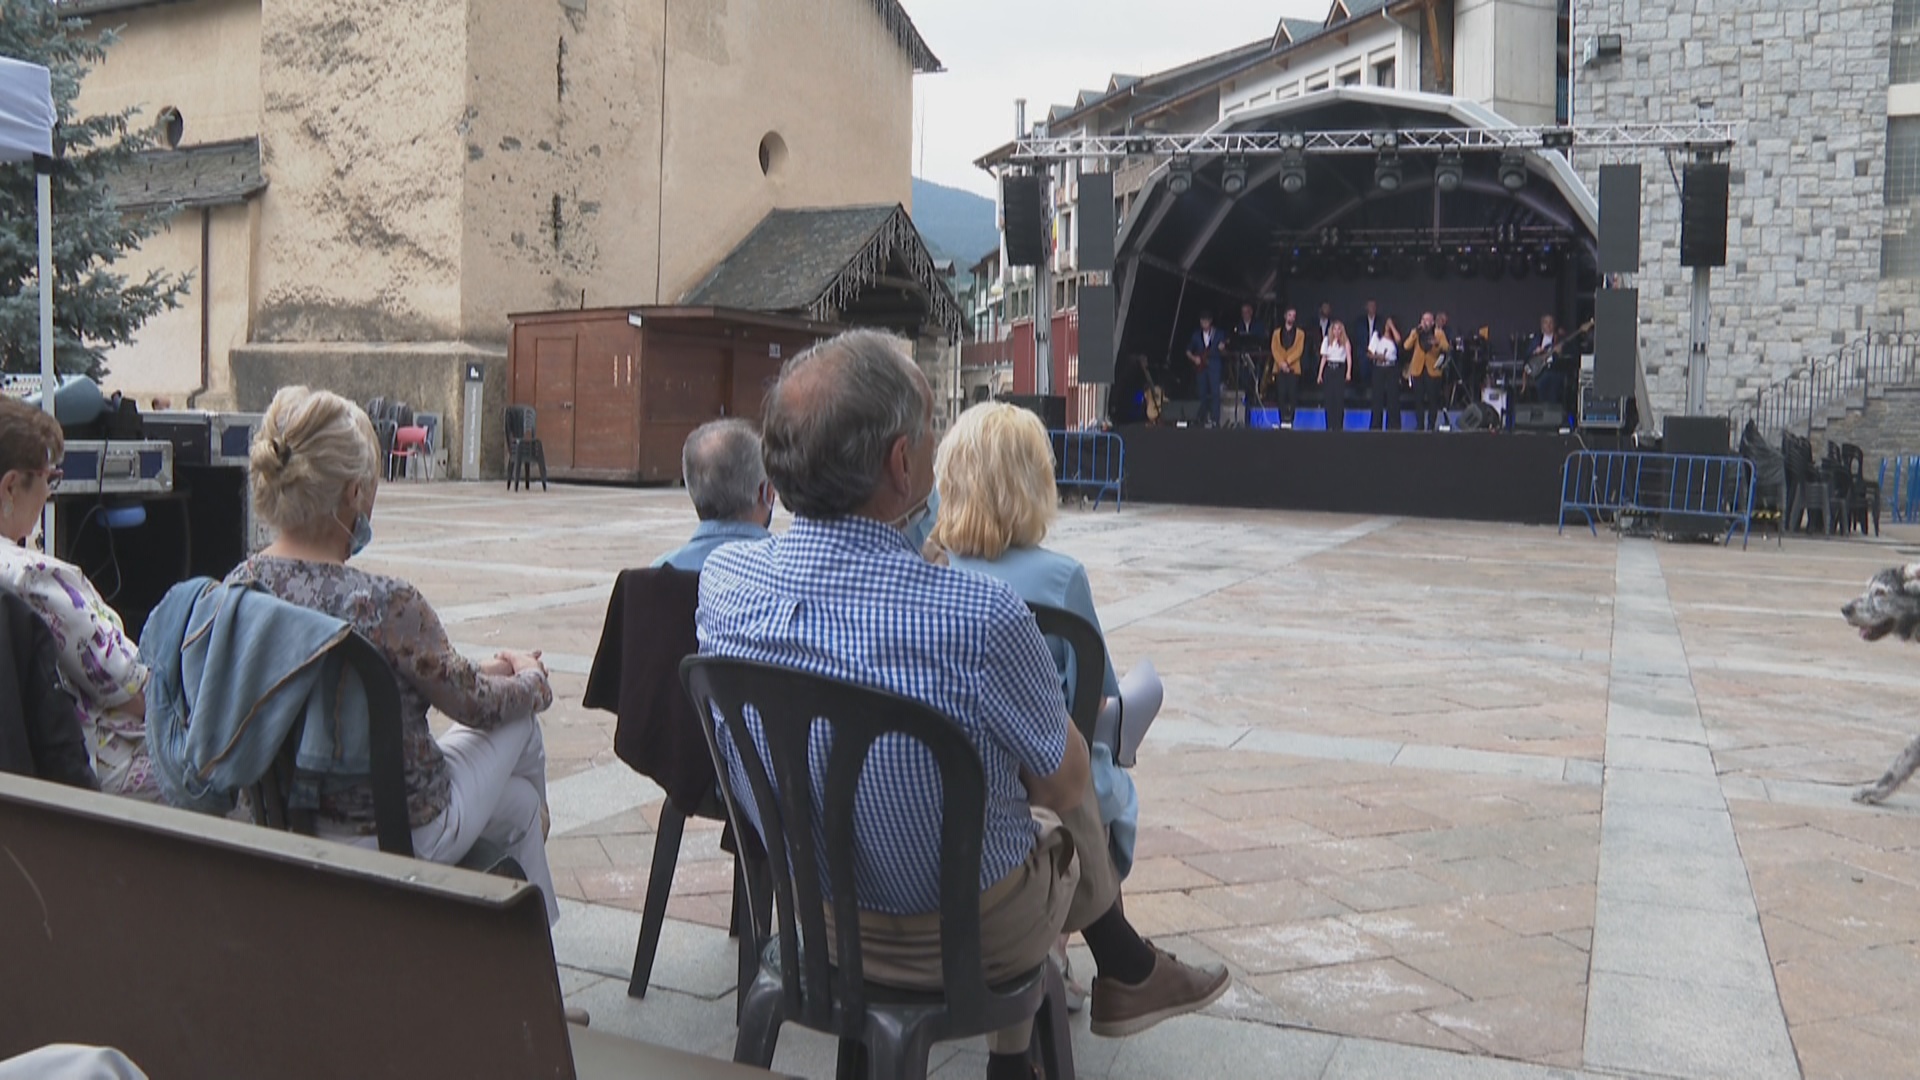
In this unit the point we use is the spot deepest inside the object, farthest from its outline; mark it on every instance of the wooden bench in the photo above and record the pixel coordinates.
(205, 947)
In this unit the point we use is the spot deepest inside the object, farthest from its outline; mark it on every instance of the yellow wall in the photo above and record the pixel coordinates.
(164, 360)
(202, 58)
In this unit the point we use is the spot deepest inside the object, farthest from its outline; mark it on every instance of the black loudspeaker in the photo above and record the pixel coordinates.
(1697, 435)
(1050, 408)
(1703, 214)
(1096, 226)
(1097, 320)
(1616, 341)
(1538, 416)
(1619, 219)
(1020, 206)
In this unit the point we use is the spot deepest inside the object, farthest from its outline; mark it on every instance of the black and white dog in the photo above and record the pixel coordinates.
(1891, 605)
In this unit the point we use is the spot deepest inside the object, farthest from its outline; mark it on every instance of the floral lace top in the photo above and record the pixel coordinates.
(400, 623)
(100, 667)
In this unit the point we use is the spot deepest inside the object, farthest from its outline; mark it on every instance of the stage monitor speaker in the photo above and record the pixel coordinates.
(1538, 416)
(1050, 408)
(1616, 341)
(1181, 411)
(1096, 223)
(1020, 208)
(1096, 334)
(1703, 214)
(1619, 219)
(1697, 435)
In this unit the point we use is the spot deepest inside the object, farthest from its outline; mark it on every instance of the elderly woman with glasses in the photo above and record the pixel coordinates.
(98, 663)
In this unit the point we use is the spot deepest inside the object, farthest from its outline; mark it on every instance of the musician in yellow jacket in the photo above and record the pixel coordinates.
(1289, 345)
(1428, 346)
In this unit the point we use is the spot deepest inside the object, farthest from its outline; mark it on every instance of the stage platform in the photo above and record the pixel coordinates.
(1473, 476)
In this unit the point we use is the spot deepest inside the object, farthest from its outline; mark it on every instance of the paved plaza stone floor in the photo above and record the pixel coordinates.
(1450, 799)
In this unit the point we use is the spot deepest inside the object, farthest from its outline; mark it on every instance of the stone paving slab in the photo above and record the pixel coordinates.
(1452, 799)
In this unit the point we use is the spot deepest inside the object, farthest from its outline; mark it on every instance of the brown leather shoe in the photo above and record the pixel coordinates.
(1172, 989)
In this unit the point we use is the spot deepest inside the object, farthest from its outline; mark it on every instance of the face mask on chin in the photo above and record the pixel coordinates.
(906, 522)
(359, 536)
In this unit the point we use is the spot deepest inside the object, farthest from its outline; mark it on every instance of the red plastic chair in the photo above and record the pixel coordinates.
(409, 444)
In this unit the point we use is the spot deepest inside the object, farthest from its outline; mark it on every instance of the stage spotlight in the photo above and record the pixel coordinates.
(1465, 264)
(1233, 177)
(1349, 265)
(1435, 264)
(1557, 139)
(1513, 171)
(1386, 140)
(1293, 172)
(1493, 265)
(1547, 261)
(1180, 176)
(1447, 174)
(1376, 263)
(1518, 264)
(1386, 174)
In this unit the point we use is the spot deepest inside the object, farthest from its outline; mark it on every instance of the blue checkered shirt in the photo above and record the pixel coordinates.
(851, 600)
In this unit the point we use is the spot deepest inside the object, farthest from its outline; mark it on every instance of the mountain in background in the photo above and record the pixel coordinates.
(957, 225)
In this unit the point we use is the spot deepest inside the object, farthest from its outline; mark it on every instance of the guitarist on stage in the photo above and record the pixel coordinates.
(1289, 345)
(1542, 350)
(1204, 350)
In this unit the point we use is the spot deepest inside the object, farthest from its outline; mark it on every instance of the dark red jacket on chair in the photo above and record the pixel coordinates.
(636, 676)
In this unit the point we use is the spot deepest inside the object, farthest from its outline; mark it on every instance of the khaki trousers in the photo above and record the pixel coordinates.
(1067, 882)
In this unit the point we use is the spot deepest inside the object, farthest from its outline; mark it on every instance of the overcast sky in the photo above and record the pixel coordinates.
(1047, 51)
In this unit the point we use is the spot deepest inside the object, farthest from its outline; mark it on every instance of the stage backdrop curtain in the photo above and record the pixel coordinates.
(26, 111)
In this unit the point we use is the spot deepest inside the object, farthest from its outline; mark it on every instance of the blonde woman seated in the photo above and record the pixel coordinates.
(99, 666)
(316, 468)
(994, 472)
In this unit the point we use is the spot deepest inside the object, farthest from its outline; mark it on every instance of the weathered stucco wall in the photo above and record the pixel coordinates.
(364, 101)
(202, 58)
(164, 359)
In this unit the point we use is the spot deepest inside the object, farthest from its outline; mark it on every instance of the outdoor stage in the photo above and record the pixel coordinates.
(1474, 476)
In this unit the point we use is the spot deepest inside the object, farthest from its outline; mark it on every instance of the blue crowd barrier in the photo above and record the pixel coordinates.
(1903, 495)
(1089, 463)
(1600, 482)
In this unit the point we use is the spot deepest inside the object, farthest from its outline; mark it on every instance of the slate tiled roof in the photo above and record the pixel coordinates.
(103, 7)
(816, 263)
(212, 174)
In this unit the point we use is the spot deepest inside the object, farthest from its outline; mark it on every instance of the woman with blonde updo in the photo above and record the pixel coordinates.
(99, 666)
(316, 468)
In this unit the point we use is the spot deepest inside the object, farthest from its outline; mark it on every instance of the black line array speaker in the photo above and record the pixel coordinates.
(1616, 341)
(1020, 206)
(1703, 214)
(1096, 224)
(1619, 219)
(1696, 435)
(1097, 318)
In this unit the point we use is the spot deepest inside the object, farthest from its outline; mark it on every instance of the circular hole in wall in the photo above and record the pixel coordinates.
(169, 126)
(773, 153)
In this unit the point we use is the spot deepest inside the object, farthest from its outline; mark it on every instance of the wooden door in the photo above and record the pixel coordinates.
(686, 386)
(606, 437)
(553, 396)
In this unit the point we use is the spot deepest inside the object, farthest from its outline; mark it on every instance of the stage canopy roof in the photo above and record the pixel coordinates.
(26, 111)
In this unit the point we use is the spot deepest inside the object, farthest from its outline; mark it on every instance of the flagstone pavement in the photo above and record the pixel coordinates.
(1449, 799)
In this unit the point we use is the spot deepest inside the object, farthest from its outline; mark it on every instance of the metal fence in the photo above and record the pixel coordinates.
(1089, 463)
(1845, 379)
(1601, 483)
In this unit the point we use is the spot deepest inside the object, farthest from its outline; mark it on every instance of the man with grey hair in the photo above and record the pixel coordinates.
(727, 482)
(849, 443)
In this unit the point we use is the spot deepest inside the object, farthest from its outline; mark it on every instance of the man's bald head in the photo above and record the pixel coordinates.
(722, 466)
(833, 418)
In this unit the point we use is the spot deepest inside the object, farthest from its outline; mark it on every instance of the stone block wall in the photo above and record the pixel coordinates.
(1808, 80)
(1889, 427)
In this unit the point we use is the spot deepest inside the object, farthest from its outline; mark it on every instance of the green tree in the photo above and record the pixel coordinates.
(95, 307)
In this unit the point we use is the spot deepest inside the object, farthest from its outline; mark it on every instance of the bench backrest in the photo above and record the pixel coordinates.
(206, 947)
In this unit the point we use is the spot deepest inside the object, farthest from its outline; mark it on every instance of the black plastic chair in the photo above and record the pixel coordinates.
(524, 449)
(1089, 658)
(270, 795)
(883, 1032)
(1807, 487)
(1863, 495)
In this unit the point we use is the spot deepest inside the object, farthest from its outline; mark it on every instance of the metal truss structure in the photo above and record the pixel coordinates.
(1702, 137)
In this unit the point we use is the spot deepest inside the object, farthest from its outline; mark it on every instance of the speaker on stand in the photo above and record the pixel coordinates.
(1022, 210)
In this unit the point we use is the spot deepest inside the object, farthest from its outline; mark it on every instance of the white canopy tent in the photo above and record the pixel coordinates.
(27, 119)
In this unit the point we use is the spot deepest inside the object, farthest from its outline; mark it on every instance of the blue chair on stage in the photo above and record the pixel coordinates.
(1359, 419)
(1309, 419)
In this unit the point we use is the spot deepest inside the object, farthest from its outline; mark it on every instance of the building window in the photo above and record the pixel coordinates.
(1906, 42)
(1903, 160)
(773, 153)
(1351, 78)
(1383, 73)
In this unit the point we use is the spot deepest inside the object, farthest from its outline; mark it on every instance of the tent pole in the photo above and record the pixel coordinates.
(43, 175)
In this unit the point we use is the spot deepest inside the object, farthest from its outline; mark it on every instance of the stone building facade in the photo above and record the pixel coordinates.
(432, 166)
(1808, 215)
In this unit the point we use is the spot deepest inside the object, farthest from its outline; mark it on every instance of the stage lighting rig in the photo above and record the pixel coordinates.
(1557, 139)
(1387, 174)
(1180, 176)
(1448, 173)
(1293, 171)
(1513, 171)
(1233, 177)
(1465, 264)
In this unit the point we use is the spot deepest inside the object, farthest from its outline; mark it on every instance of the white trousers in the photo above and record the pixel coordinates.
(68, 1061)
(499, 783)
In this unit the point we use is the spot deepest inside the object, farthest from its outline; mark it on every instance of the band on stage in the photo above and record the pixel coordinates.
(1426, 376)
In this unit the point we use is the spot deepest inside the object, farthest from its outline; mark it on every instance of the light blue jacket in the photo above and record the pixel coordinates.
(234, 669)
(1048, 577)
(709, 537)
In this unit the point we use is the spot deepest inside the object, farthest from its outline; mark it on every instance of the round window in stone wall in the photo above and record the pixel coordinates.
(773, 153)
(169, 126)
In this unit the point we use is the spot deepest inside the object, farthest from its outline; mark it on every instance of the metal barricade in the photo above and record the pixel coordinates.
(1595, 483)
(1089, 463)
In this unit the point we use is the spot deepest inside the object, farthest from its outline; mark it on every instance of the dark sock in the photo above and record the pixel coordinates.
(1009, 1067)
(1118, 951)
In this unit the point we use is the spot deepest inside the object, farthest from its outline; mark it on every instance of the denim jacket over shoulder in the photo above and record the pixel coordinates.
(234, 670)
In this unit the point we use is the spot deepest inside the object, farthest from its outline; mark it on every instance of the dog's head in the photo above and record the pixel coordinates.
(1891, 604)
